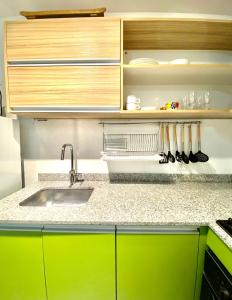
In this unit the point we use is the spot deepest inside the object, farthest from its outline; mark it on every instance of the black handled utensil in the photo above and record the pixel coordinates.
(192, 157)
(201, 157)
(164, 159)
(184, 156)
(178, 154)
(170, 157)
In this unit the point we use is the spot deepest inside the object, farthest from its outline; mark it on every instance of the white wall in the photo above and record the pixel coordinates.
(43, 141)
(10, 162)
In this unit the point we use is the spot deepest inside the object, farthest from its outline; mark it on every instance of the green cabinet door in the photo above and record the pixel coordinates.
(80, 263)
(21, 264)
(156, 264)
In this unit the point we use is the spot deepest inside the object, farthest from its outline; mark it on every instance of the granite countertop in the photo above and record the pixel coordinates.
(130, 204)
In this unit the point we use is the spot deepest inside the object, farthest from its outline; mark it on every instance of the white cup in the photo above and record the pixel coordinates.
(133, 99)
(133, 106)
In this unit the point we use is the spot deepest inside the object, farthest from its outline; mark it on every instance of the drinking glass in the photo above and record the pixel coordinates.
(192, 102)
(207, 100)
(185, 103)
(200, 100)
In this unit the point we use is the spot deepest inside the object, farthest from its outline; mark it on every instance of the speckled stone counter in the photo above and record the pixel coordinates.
(130, 204)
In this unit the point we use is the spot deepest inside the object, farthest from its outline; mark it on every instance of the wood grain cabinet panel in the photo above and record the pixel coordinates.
(178, 34)
(74, 39)
(64, 86)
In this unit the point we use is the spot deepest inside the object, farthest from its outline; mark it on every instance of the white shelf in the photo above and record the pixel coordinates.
(194, 74)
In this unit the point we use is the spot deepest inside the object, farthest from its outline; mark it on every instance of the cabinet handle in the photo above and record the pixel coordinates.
(79, 229)
(70, 62)
(15, 227)
(156, 230)
(88, 109)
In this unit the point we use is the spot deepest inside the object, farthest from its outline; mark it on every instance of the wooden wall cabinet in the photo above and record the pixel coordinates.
(62, 39)
(63, 64)
(79, 87)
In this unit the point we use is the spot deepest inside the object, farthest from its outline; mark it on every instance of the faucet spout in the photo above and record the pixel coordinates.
(71, 151)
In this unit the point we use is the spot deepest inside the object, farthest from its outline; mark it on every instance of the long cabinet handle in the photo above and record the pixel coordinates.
(100, 229)
(16, 227)
(78, 229)
(89, 109)
(73, 62)
(156, 230)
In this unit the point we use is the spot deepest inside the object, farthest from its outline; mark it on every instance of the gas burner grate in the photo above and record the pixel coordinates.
(226, 225)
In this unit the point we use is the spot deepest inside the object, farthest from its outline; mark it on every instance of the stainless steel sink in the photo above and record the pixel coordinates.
(59, 197)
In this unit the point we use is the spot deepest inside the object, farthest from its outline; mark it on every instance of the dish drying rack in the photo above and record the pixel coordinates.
(130, 141)
(134, 141)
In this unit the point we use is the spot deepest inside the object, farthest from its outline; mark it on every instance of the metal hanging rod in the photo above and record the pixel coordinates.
(157, 123)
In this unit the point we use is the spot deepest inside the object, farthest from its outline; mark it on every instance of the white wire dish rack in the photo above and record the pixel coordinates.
(130, 141)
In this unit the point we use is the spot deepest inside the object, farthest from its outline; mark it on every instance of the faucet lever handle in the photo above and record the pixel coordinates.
(62, 153)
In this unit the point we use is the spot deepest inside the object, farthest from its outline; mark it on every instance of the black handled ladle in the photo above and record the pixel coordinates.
(192, 157)
(201, 157)
(170, 157)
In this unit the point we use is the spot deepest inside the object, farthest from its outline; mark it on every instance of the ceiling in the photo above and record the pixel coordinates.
(220, 7)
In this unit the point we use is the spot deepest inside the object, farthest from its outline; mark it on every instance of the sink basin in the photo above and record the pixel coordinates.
(58, 197)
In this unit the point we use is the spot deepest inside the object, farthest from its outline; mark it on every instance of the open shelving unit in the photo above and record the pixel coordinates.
(149, 34)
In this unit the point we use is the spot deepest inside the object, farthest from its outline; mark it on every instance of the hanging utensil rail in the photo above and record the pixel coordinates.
(151, 122)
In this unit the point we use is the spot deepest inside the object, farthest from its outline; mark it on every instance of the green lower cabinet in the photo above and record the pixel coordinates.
(80, 263)
(153, 264)
(21, 265)
(91, 263)
(223, 253)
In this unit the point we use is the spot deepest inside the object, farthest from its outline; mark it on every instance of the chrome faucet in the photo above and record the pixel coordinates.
(73, 175)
